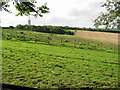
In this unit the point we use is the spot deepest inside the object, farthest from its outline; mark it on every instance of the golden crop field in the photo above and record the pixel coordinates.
(101, 36)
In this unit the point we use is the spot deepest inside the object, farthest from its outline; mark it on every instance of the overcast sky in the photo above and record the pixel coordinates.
(77, 13)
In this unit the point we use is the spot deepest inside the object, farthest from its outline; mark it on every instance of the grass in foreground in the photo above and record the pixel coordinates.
(47, 66)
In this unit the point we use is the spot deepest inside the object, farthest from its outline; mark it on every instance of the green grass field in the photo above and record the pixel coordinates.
(57, 39)
(48, 65)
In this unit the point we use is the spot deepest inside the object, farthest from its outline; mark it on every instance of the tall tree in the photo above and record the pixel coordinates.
(110, 19)
(25, 7)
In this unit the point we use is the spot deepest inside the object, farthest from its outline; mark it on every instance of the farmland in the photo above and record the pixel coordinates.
(57, 61)
(102, 36)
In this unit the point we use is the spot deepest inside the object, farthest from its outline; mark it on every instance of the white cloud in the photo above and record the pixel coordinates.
(78, 13)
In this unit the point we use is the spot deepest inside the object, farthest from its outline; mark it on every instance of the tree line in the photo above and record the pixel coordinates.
(45, 29)
(59, 29)
(92, 29)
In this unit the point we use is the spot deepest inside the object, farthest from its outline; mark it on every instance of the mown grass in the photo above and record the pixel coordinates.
(46, 66)
(57, 64)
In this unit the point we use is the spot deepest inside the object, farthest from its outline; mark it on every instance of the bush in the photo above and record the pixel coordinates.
(11, 27)
(20, 27)
(46, 29)
(69, 33)
(5, 27)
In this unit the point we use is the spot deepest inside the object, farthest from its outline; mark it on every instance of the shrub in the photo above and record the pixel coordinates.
(11, 27)
(46, 29)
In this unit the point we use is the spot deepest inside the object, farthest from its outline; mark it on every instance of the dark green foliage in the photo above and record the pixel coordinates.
(60, 29)
(111, 19)
(11, 27)
(20, 27)
(5, 27)
(5, 6)
(46, 29)
(92, 29)
(69, 33)
(25, 7)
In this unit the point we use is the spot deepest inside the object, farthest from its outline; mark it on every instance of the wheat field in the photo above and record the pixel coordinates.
(101, 36)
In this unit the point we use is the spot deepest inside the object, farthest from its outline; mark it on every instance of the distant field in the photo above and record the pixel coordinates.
(101, 36)
(57, 39)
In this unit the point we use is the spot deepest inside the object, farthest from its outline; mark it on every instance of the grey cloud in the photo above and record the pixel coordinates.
(92, 9)
(58, 20)
(69, 21)
(79, 13)
(86, 15)
(54, 20)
